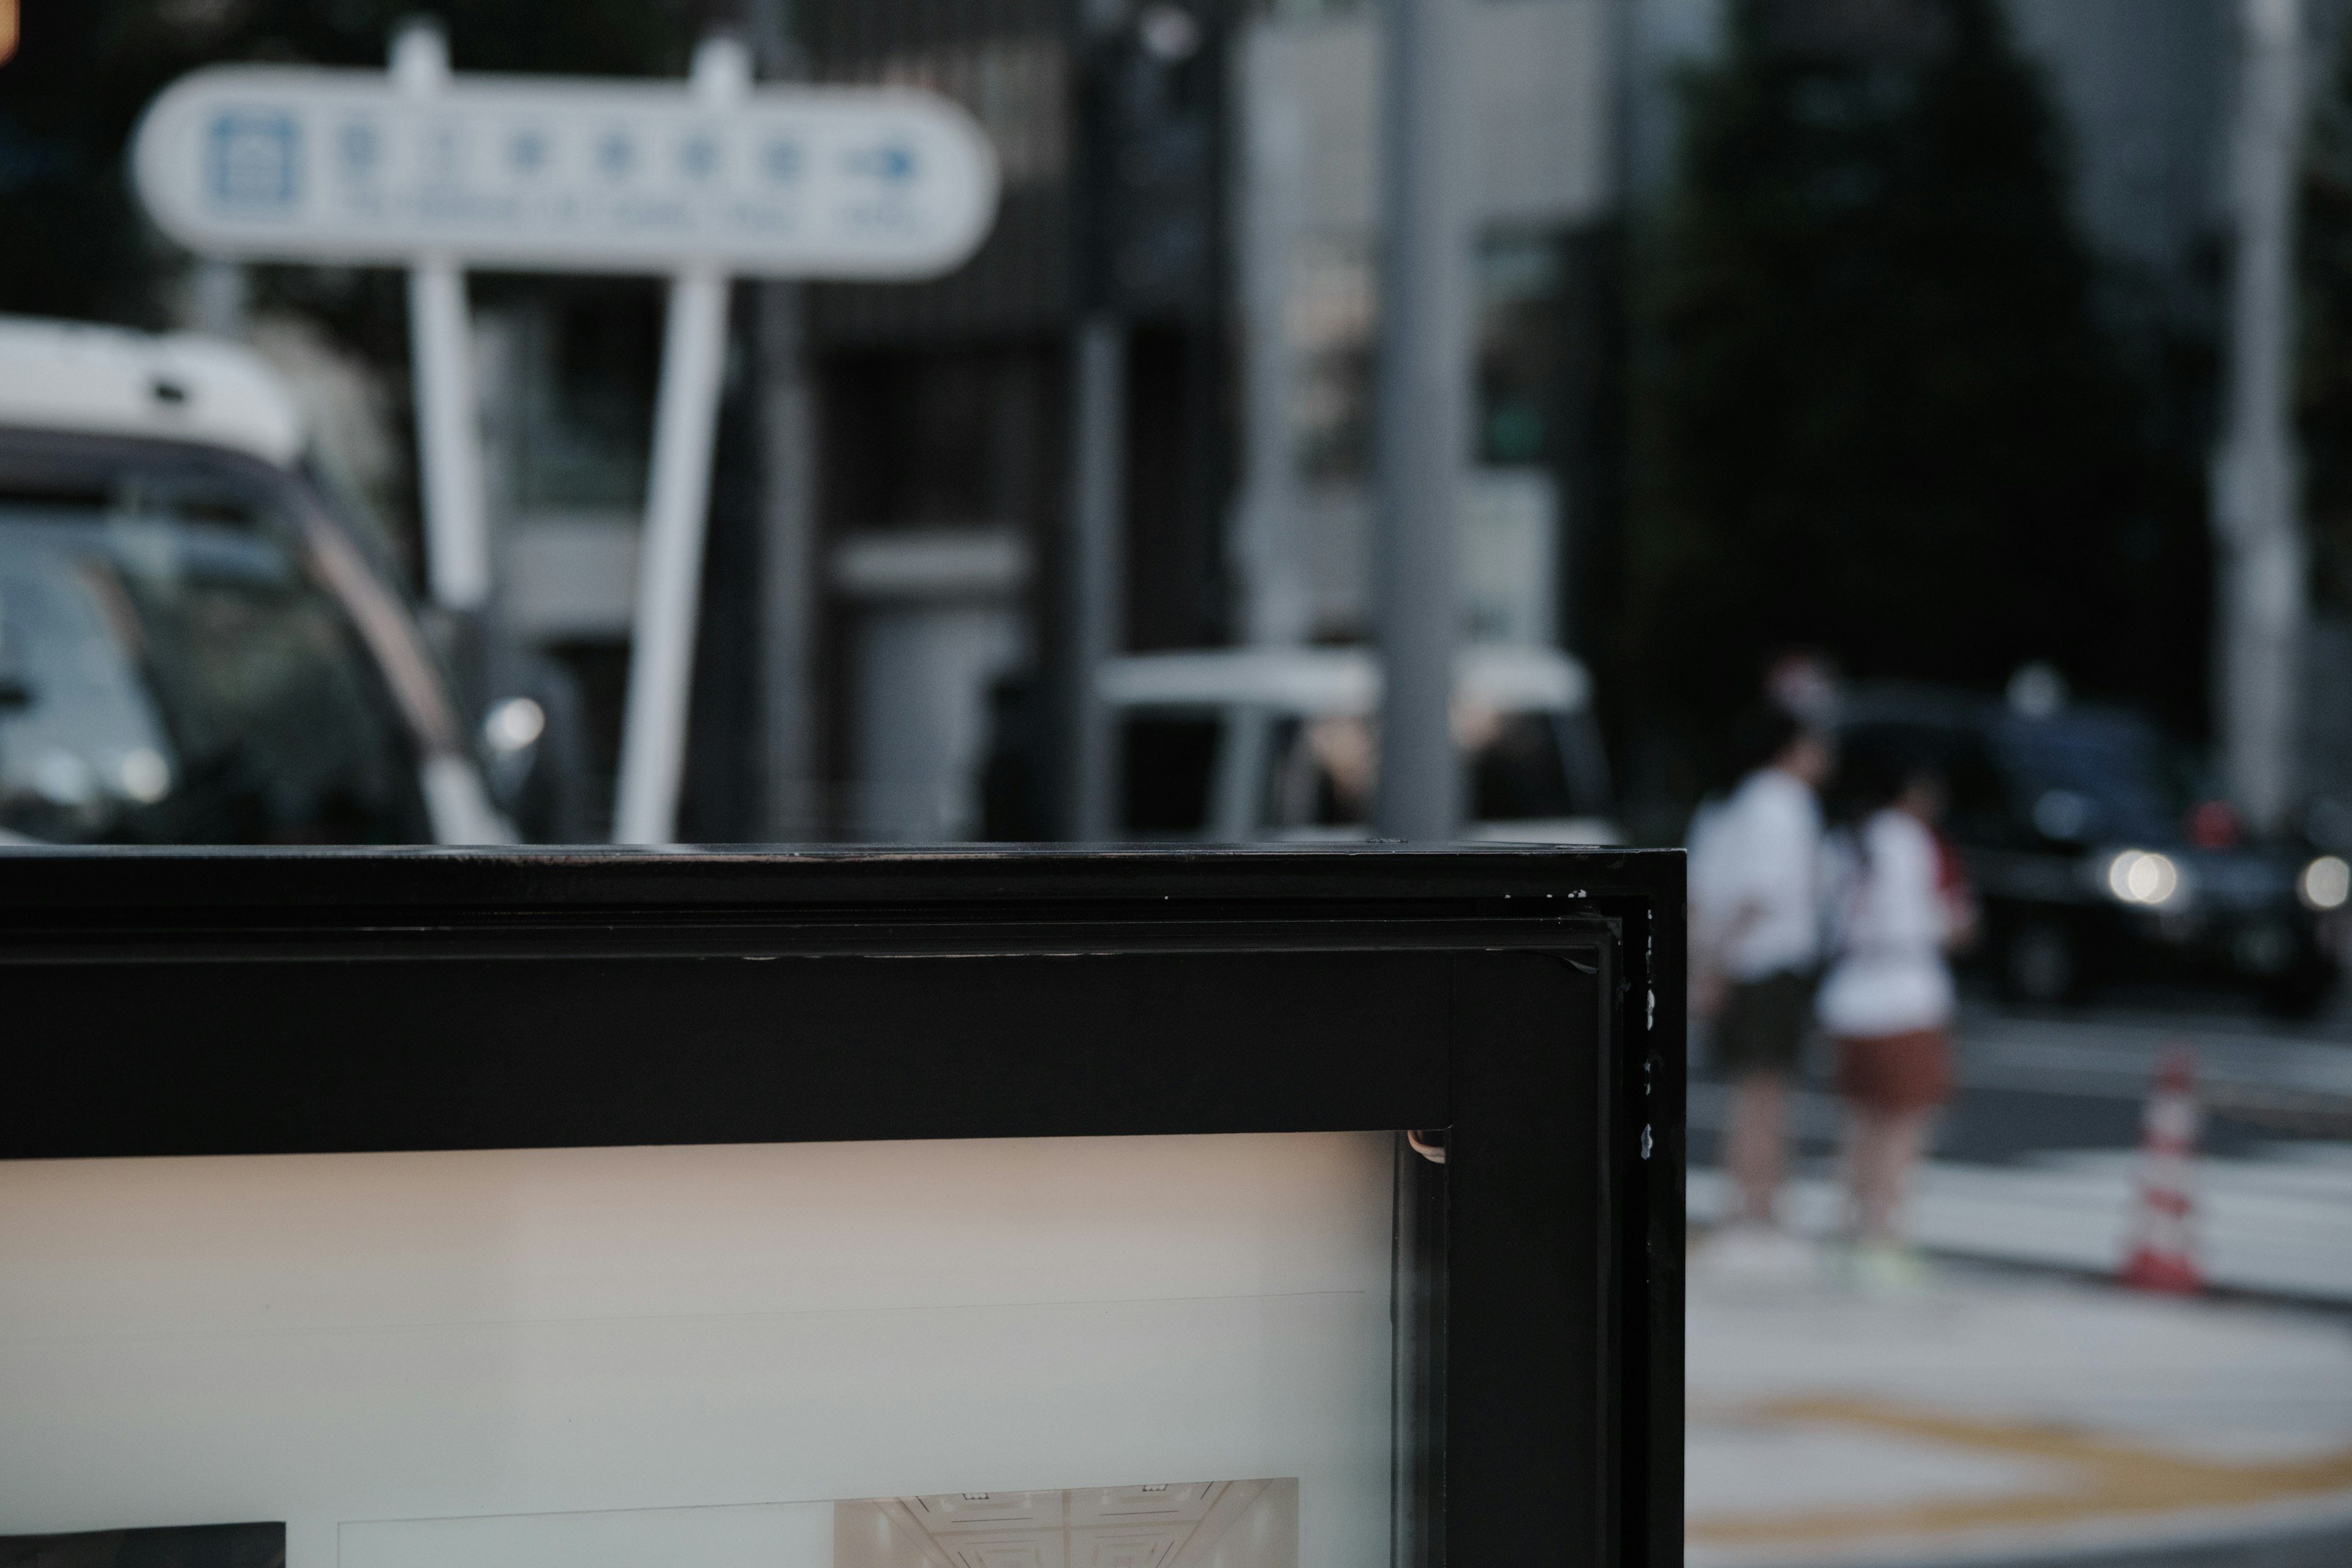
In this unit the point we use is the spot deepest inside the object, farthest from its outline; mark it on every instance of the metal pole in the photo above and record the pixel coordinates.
(789, 456)
(669, 573)
(448, 443)
(1098, 566)
(788, 600)
(1421, 420)
(1276, 605)
(1095, 574)
(2257, 501)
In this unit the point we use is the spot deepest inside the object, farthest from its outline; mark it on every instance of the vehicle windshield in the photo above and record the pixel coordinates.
(2095, 777)
(171, 672)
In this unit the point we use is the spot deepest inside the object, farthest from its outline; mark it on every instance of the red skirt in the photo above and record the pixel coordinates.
(1894, 1073)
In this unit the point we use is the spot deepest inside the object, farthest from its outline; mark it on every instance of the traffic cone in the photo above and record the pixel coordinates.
(2162, 1254)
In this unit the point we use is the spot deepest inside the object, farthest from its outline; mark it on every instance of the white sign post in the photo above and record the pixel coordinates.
(436, 173)
(448, 435)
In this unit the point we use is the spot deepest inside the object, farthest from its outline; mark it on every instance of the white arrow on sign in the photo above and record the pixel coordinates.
(293, 163)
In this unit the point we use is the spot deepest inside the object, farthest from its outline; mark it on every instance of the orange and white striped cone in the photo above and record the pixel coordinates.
(2162, 1254)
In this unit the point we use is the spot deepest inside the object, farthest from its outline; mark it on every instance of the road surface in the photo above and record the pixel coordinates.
(2019, 1410)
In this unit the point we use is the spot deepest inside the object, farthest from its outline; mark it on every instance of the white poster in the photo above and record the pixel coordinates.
(1147, 1352)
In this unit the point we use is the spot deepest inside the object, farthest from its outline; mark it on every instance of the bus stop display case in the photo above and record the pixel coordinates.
(951, 1209)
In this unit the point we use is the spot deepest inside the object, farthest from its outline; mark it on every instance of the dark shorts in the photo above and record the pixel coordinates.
(1892, 1074)
(1762, 1029)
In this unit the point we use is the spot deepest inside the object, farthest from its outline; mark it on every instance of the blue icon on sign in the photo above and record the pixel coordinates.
(893, 162)
(698, 157)
(252, 161)
(528, 152)
(614, 153)
(782, 161)
(360, 149)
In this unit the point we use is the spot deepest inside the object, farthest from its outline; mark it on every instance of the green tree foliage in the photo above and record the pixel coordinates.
(72, 242)
(1875, 409)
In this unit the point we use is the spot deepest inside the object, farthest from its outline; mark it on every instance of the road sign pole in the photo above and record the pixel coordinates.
(448, 440)
(448, 437)
(669, 571)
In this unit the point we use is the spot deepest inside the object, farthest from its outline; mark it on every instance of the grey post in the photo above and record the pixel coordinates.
(788, 523)
(1269, 192)
(1096, 576)
(2257, 510)
(788, 570)
(1425, 382)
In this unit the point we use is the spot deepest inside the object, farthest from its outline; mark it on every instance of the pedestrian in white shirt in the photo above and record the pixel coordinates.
(1898, 907)
(1755, 930)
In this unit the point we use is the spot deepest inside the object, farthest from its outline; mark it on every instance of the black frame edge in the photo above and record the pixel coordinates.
(83, 925)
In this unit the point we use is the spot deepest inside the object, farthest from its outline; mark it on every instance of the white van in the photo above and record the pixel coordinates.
(194, 647)
(1280, 744)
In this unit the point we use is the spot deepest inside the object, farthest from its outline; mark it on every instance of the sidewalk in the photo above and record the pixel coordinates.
(2004, 1418)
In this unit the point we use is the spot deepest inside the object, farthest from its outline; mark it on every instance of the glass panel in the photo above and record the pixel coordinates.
(1163, 1352)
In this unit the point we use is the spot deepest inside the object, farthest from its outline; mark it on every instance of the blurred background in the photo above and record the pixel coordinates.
(1988, 363)
(1898, 330)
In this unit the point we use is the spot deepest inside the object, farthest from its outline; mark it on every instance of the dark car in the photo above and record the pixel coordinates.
(2098, 853)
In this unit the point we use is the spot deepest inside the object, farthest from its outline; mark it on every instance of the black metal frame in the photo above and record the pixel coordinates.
(1529, 1002)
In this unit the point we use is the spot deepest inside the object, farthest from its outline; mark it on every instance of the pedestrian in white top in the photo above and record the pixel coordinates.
(1897, 907)
(1755, 930)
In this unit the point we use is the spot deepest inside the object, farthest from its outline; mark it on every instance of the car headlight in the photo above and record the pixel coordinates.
(2325, 884)
(2143, 877)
